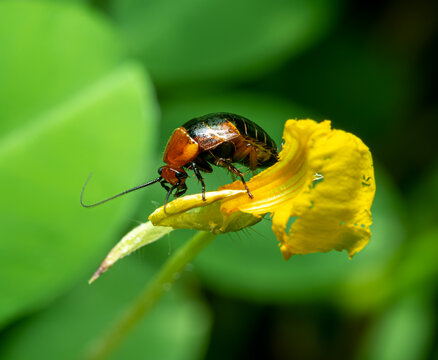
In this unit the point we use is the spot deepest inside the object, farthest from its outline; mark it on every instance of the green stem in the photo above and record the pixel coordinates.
(150, 295)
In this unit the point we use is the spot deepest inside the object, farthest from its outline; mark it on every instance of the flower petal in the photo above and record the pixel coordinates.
(191, 212)
(331, 212)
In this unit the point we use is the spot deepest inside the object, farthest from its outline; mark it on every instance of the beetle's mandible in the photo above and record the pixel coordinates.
(219, 139)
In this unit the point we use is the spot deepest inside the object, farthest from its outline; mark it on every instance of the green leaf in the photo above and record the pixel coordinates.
(68, 107)
(404, 331)
(353, 81)
(176, 329)
(249, 264)
(418, 268)
(423, 200)
(413, 270)
(198, 41)
(49, 52)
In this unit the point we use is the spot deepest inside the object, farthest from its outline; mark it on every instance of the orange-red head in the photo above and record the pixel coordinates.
(175, 176)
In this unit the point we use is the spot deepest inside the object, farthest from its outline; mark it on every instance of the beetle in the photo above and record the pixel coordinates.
(218, 139)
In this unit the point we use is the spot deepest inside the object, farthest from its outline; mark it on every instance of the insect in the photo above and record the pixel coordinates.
(218, 139)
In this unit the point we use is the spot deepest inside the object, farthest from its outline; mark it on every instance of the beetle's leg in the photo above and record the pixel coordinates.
(181, 190)
(253, 158)
(163, 184)
(231, 168)
(238, 173)
(199, 176)
(203, 165)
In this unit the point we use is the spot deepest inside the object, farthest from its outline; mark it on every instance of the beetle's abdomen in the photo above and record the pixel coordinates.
(253, 147)
(251, 130)
(264, 150)
(211, 130)
(253, 154)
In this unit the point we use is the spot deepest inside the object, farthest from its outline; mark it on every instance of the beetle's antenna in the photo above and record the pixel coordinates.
(115, 196)
(167, 197)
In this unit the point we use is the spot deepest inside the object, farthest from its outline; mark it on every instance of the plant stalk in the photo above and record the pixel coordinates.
(111, 340)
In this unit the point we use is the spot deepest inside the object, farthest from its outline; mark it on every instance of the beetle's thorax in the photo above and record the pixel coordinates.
(181, 149)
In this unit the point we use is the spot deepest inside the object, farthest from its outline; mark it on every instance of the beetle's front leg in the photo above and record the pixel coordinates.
(181, 190)
(163, 184)
(200, 178)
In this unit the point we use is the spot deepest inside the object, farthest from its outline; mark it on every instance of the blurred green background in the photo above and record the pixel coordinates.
(100, 85)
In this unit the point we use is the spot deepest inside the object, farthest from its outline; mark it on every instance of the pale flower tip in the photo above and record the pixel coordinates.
(141, 235)
(97, 274)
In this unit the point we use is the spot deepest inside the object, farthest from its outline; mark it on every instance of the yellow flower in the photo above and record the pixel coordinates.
(319, 195)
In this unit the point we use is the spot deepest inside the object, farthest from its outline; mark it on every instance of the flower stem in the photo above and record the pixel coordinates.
(109, 342)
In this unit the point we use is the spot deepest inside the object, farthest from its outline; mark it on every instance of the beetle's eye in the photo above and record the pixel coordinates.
(181, 175)
(160, 170)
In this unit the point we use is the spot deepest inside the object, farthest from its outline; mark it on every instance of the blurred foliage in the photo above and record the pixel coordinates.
(195, 41)
(176, 329)
(55, 129)
(356, 75)
(403, 332)
(423, 200)
(76, 96)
